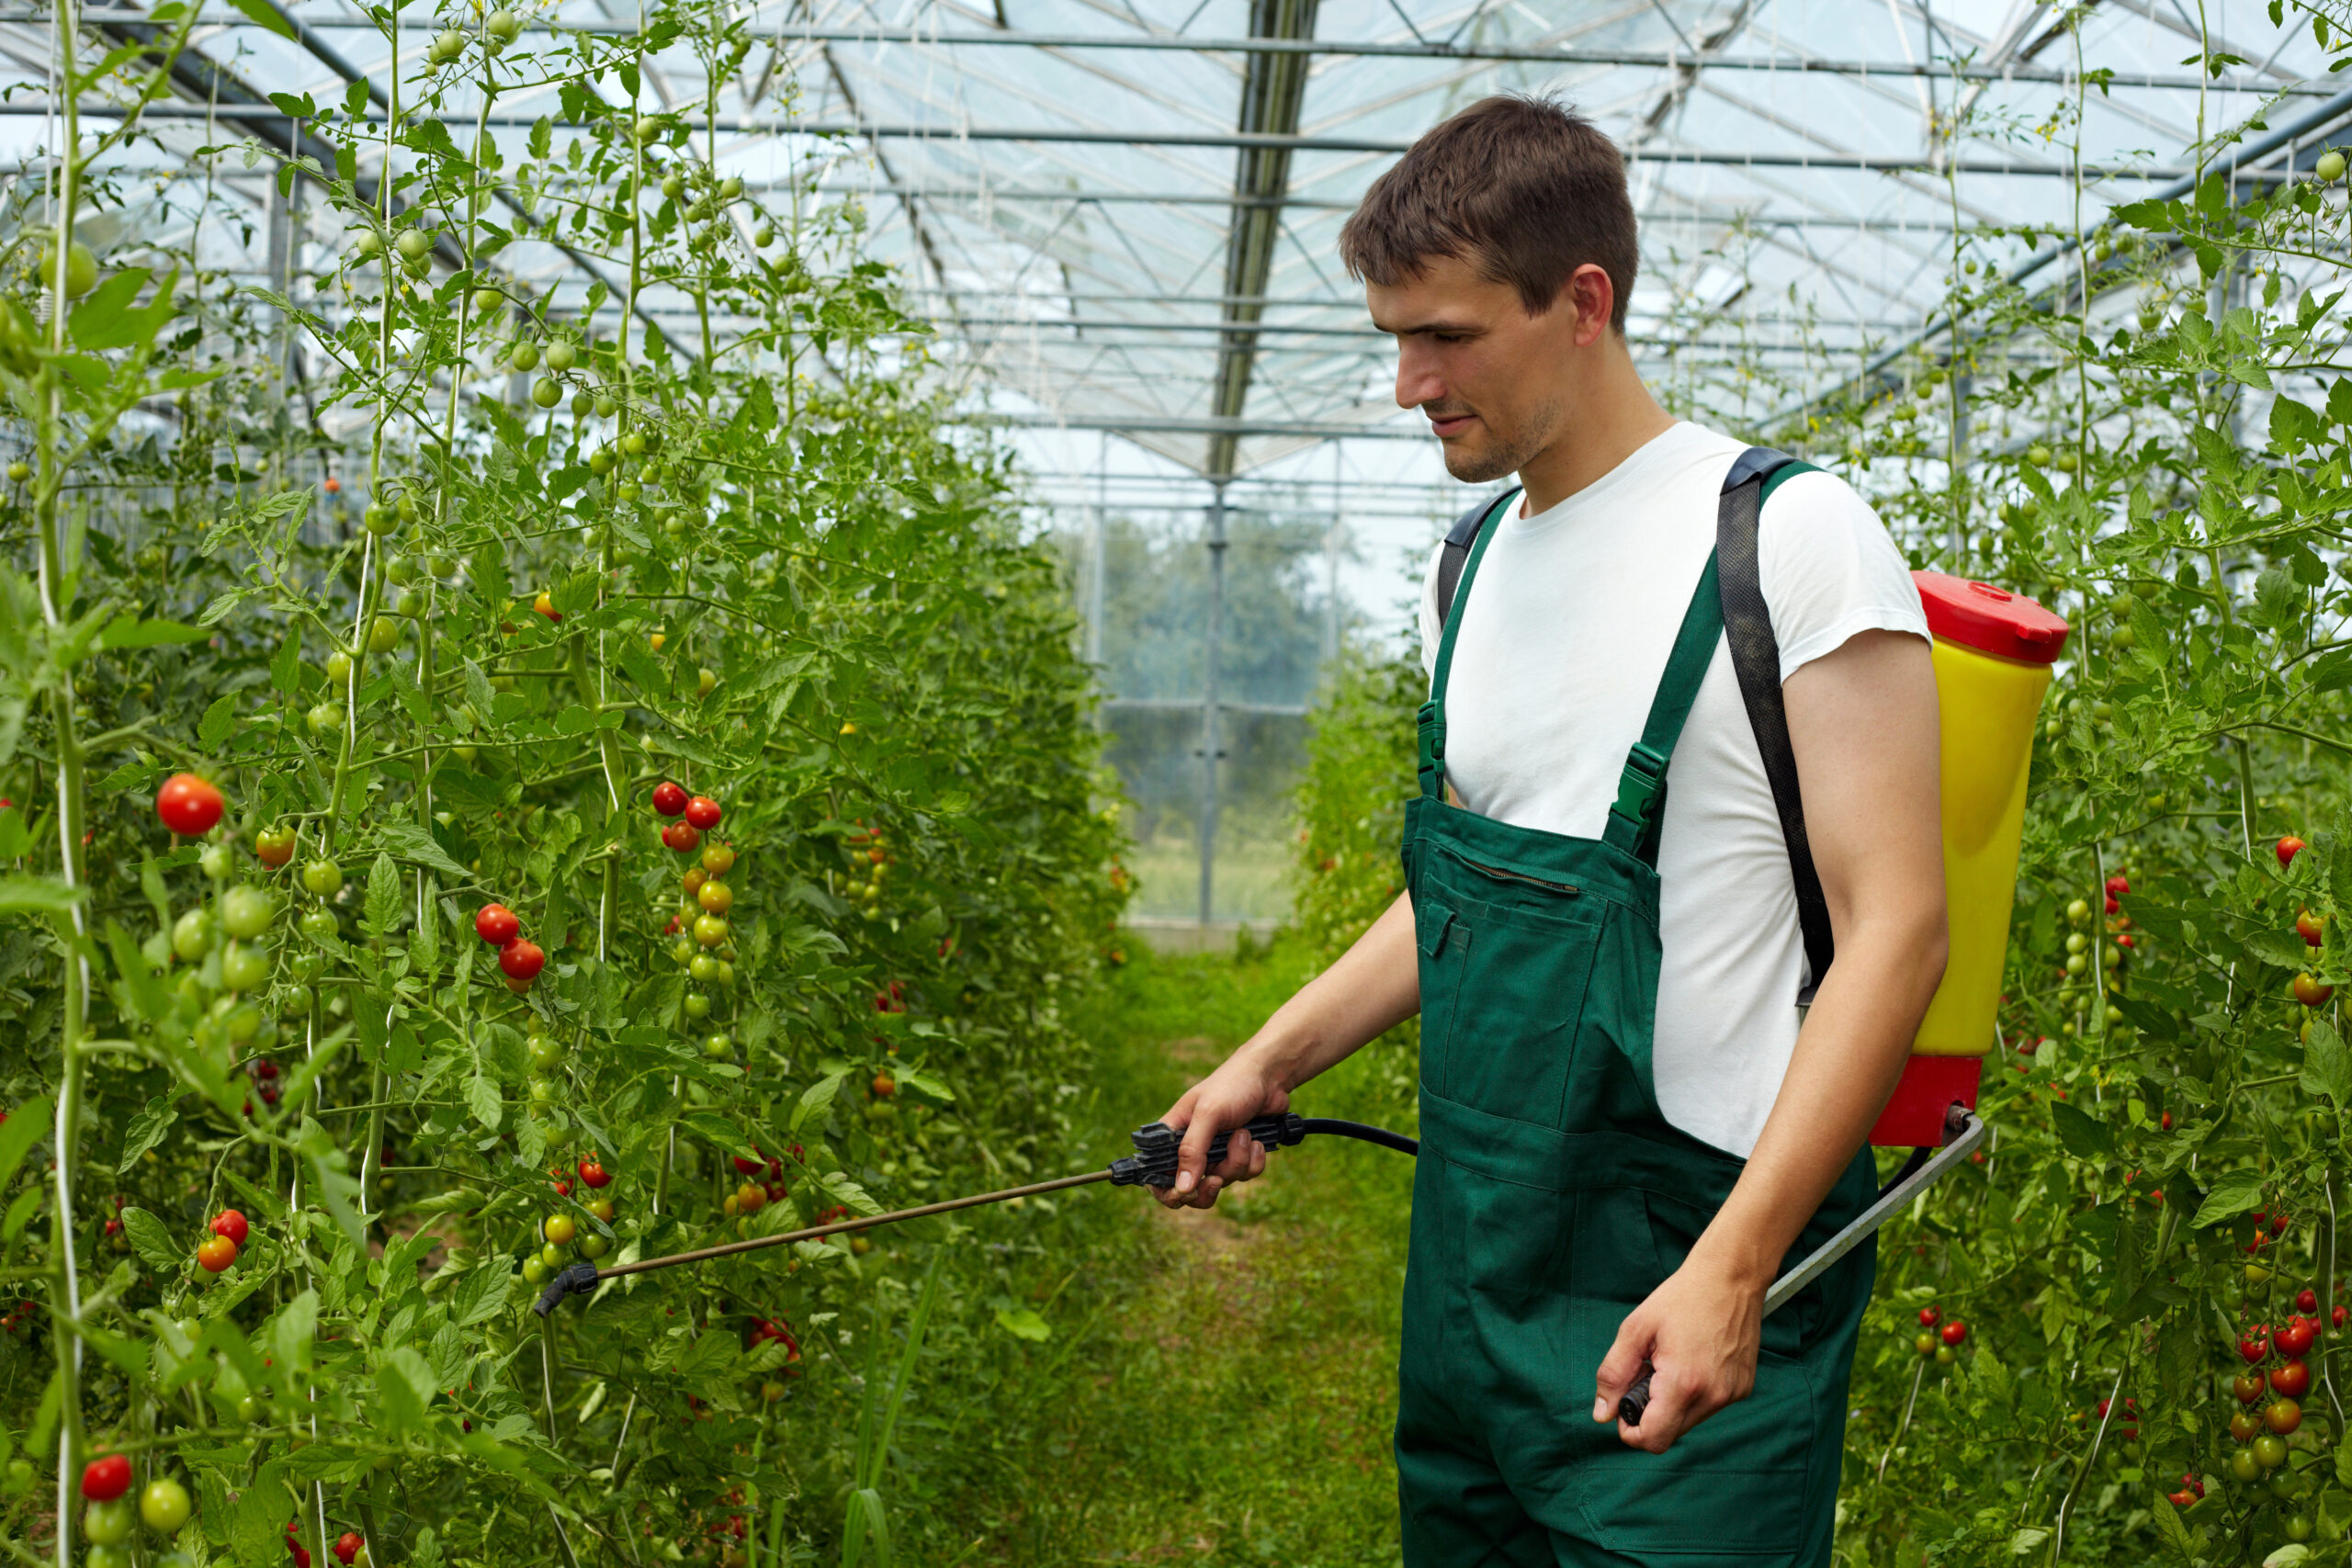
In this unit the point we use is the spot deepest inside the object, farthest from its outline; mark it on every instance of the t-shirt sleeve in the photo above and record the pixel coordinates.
(1429, 612)
(1830, 570)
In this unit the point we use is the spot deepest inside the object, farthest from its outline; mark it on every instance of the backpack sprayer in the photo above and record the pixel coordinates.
(1993, 653)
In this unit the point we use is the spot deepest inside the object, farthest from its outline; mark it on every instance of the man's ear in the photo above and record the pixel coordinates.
(1594, 297)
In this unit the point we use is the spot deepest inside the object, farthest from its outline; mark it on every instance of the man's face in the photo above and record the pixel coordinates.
(1492, 378)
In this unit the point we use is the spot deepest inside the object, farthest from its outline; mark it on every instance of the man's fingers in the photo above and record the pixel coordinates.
(1619, 1368)
(1663, 1418)
(1192, 1154)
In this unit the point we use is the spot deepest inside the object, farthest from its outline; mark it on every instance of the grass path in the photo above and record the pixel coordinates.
(1226, 1385)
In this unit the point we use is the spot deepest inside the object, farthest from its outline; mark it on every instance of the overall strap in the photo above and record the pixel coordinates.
(1756, 659)
(1466, 545)
(1641, 789)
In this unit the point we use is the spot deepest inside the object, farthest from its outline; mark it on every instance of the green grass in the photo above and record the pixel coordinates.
(1220, 1387)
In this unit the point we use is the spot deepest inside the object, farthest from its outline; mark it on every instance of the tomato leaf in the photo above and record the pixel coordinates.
(129, 631)
(2327, 1066)
(38, 896)
(483, 1099)
(152, 1241)
(25, 1123)
(816, 1100)
(2084, 1139)
(146, 1129)
(2237, 1193)
(412, 843)
(19, 1212)
(219, 719)
(383, 896)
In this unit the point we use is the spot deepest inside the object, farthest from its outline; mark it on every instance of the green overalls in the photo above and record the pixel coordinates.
(1551, 1197)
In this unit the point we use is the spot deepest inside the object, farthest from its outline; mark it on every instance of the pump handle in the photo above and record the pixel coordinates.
(1154, 1162)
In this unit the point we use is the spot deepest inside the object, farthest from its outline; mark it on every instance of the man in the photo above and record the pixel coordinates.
(1629, 1125)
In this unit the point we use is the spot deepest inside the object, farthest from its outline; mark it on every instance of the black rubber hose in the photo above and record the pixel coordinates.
(1363, 1133)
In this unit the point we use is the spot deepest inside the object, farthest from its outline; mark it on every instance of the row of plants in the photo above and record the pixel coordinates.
(566, 777)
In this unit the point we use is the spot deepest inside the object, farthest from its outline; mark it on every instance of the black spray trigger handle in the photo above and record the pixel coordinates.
(1154, 1162)
(1636, 1399)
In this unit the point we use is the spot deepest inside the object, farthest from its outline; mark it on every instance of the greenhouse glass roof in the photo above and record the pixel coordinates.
(1122, 217)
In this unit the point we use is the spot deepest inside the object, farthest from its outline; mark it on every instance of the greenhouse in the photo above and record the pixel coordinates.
(664, 665)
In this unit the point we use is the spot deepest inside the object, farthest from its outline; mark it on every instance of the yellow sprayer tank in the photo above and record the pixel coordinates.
(1993, 652)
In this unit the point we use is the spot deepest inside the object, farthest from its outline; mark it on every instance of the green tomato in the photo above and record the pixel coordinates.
(730, 189)
(216, 862)
(592, 1247)
(325, 718)
(546, 1054)
(647, 130)
(2300, 1525)
(192, 935)
(244, 968)
(561, 355)
(338, 667)
(307, 966)
(107, 1524)
(533, 1270)
(414, 244)
(763, 236)
(599, 462)
(606, 406)
(581, 403)
(485, 301)
(682, 949)
(718, 1047)
(543, 1091)
(2243, 1466)
(705, 968)
(726, 974)
(673, 186)
(698, 1005)
(81, 268)
(324, 877)
(320, 925)
(546, 392)
(633, 443)
(383, 636)
(502, 26)
(165, 1506)
(19, 1479)
(249, 1409)
(525, 358)
(106, 1557)
(378, 520)
(2270, 1450)
(247, 911)
(410, 605)
(551, 1255)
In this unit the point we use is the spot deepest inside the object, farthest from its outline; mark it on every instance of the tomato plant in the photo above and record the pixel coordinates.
(311, 704)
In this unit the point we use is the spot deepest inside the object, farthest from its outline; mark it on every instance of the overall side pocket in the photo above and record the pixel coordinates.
(1443, 940)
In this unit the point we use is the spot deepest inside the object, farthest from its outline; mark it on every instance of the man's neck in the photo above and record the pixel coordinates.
(1608, 417)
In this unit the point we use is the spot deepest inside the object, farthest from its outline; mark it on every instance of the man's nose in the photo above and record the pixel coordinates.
(1418, 381)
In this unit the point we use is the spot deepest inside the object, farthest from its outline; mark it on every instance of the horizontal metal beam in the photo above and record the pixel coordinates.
(1168, 425)
(921, 192)
(1861, 163)
(1194, 704)
(1534, 53)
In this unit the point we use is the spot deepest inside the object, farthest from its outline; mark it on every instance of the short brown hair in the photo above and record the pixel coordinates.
(1524, 188)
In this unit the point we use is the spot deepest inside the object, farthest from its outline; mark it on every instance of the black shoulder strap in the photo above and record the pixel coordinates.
(1457, 550)
(1756, 659)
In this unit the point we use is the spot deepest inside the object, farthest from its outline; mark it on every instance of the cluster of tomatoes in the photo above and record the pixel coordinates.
(559, 1230)
(216, 1253)
(350, 1548)
(519, 958)
(764, 1182)
(2269, 1408)
(869, 862)
(108, 1519)
(2117, 943)
(704, 937)
(1939, 1339)
(21, 1314)
(775, 1331)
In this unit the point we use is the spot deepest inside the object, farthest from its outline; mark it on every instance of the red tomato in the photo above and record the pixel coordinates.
(668, 798)
(703, 812)
(1954, 1332)
(2309, 992)
(544, 605)
(2307, 1301)
(885, 1085)
(2282, 1415)
(593, 1174)
(2288, 848)
(2117, 887)
(2248, 1387)
(681, 837)
(521, 960)
(347, 1547)
(216, 1253)
(188, 806)
(749, 1165)
(2290, 1379)
(2253, 1347)
(333, 485)
(497, 925)
(2295, 1339)
(232, 1224)
(105, 1478)
(2308, 927)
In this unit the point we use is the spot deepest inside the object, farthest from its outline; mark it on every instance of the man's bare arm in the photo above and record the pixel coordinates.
(1375, 984)
(1863, 722)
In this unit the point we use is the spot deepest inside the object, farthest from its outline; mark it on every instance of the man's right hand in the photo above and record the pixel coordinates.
(1236, 1094)
(1374, 985)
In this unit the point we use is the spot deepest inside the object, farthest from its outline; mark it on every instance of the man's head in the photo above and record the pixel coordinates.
(1501, 251)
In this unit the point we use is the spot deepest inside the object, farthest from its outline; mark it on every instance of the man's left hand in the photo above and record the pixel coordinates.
(1699, 1333)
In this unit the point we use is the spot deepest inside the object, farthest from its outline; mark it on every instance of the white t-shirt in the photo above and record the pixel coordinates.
(1569, 624)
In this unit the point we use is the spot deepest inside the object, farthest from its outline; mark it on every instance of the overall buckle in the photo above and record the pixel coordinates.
(1641, 796)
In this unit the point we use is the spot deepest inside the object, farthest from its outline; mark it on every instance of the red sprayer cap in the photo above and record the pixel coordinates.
(1990, 620)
